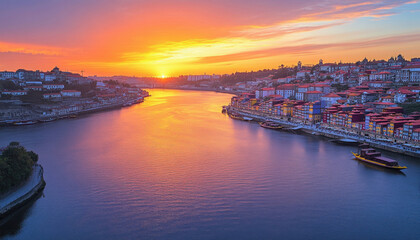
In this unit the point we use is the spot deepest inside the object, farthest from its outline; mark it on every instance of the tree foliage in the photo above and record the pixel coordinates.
(15, 166)
(9, 85)
(410, 107)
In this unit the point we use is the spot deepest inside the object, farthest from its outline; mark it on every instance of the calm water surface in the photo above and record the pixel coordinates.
(174, 167)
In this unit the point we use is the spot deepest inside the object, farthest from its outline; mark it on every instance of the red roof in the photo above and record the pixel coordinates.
(313, 92)
(332, 95)
(70, 91)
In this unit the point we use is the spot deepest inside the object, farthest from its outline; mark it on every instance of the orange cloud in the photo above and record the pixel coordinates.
(6, 47)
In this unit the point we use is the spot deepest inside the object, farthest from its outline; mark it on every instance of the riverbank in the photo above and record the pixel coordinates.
(72, 114)
(14, 200)
(331, 133)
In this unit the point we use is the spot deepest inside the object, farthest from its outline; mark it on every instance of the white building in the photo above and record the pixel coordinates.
(71, 93)
(30, 83)
(302, 74)
(363, 78)
(49, 77)
(33, 88)
(51, 95)
(265, 92)
(328, 67)
(410, 74)
(330, 99)
(53, 86)
(14, 92)
(7, 75)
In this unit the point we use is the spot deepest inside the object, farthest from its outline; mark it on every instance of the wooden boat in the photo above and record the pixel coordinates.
(370, 155)
(271, 125)
(235, 116)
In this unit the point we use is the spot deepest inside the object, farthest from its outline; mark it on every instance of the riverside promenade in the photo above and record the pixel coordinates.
(14, 199)
(407, 149)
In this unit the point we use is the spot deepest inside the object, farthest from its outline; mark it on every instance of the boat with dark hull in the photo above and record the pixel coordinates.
(271, 125)
(346, 141)
(371, 156)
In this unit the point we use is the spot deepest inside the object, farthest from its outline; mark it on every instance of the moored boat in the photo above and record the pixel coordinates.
(346, 141)
(271, 125)
(370, 155)
(48, 120)
(247, 118)
(236, 116)
(20, 123)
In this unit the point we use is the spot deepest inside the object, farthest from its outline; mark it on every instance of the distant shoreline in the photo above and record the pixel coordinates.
(38, 120)
(197, 89)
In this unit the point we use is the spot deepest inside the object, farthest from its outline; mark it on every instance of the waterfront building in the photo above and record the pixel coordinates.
(14, 92)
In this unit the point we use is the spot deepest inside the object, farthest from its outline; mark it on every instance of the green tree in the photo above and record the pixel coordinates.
(15, 166)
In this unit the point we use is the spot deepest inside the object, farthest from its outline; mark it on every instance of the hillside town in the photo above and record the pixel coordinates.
(374, 99)
(28, 97)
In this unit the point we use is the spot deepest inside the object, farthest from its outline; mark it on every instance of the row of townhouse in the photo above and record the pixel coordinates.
(389, 123)
(277, 105)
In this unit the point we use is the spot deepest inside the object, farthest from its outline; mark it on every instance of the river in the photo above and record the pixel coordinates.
(175, 167)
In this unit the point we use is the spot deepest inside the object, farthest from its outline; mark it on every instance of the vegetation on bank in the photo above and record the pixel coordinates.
(16, 165)
(410, 107)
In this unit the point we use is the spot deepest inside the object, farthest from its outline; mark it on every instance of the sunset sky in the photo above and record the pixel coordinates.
(174, 37)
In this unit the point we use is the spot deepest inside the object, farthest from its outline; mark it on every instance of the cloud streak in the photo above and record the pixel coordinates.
(307, 49)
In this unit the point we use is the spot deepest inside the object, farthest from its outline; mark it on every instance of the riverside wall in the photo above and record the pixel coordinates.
(10, 205)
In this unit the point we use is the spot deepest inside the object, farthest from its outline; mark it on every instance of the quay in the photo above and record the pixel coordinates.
(327, 131)
(29, 190)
